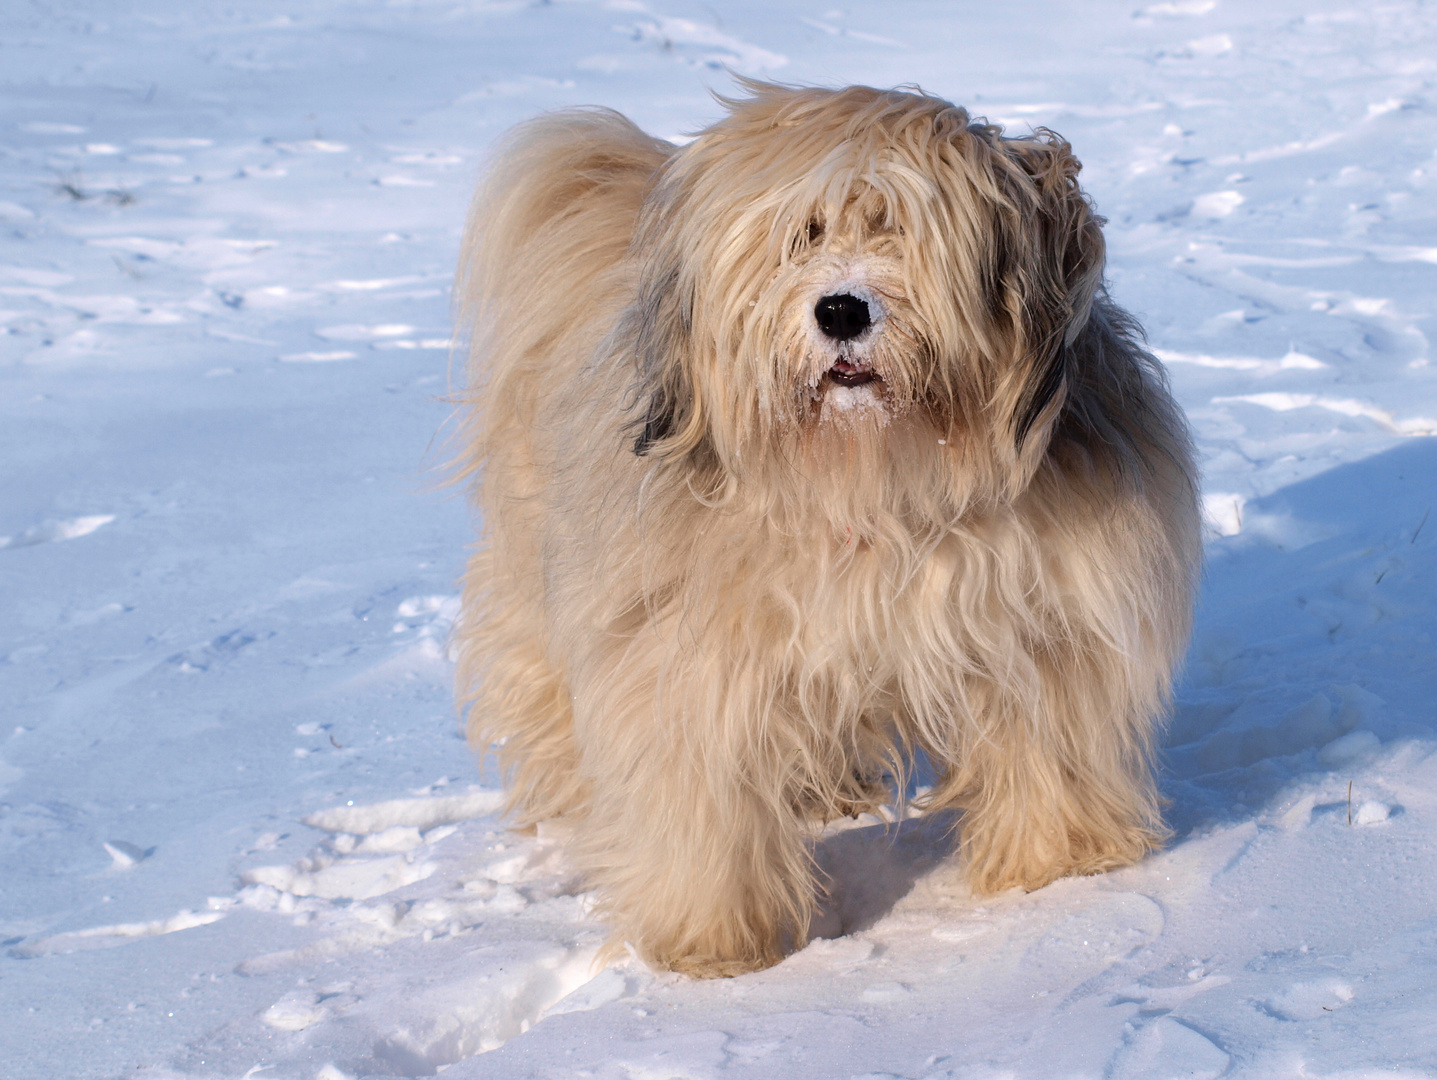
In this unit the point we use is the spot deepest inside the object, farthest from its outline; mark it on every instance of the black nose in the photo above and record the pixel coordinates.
(842, 316)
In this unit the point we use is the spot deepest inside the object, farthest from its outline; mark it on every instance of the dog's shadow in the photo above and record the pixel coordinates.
(1308, 653)
(865, 870)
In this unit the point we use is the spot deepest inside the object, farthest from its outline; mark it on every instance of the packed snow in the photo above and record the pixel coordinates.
(240, 832)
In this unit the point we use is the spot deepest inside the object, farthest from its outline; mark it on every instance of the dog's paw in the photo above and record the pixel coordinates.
(715, 967)
(998, 868)
(699, 960)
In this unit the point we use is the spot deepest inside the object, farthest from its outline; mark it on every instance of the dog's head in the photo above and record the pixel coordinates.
(861, 268)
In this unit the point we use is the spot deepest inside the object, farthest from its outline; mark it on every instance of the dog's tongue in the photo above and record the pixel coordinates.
(851, 373)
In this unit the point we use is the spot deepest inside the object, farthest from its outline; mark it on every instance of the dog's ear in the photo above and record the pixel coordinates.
(660, 323)
(1054, 255)
(658, 422)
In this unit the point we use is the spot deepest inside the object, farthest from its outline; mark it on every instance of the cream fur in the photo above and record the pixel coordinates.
(721, 598)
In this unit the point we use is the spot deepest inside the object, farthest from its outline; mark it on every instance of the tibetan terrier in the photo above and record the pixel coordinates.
(804, 449)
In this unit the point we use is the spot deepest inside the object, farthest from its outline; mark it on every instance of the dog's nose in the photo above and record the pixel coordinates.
(842, 316)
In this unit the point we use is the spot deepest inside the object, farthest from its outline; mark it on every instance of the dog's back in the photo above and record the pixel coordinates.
(545, 239)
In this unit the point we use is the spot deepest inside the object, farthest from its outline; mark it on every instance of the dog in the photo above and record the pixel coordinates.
(804, 449)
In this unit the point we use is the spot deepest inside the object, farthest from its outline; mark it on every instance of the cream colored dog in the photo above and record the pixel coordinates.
(801, 448)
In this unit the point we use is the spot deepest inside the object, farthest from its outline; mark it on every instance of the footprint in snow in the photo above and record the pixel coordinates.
(1168, 1047)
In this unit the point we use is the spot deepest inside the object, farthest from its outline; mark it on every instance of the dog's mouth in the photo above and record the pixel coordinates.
(852, 372)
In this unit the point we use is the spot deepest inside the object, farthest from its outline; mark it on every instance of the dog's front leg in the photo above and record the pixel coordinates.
(1057, 780)
(692, 837)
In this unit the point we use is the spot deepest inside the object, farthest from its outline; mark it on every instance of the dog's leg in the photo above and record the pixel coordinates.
(522, 714)
(518, 702)
(702, 882)
(692, 837)
(1067, 791)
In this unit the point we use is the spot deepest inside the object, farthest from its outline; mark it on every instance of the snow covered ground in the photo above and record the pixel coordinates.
(240, 835)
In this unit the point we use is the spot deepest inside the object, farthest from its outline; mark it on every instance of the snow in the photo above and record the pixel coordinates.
(240, 833)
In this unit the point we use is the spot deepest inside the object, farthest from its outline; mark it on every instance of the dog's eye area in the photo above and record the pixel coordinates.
(811, 234)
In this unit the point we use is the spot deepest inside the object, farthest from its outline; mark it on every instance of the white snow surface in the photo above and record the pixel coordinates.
(240, 833)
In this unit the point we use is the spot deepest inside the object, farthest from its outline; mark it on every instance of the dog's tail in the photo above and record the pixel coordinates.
(544, 245)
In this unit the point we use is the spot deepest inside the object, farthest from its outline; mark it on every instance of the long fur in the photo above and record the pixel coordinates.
(720, 598)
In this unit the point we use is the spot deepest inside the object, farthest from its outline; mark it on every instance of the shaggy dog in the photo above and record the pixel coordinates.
(802, 449)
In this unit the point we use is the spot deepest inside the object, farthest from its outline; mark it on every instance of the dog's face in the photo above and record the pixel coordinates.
(864, 269)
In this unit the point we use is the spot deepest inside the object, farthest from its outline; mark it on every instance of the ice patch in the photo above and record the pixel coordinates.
(124, 855)
(104, 937)
(426, 157)
(1270, 153)
(839, 955)
(1372, 812)
(396, 838)
(433, 617)
(443, 1024)
(48, 127)
(1236, 363)
(1212, 45)
(166, 142)
(318, 357)
(312, 146)
(55, 531)
(608, 985)
(1386, 254)
(1222, 512)
(1284, 402)
(404, 181)
(295, 1011)
(1382, 108)
(1179, 7)
(99, 614)
(1299, 815)
(421, 343)
(374, 284)
(341, 879)
(1348, 748)
(422, 814)
(1292, 360)
(356, 332)
(417, 606)
(1217, 204)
